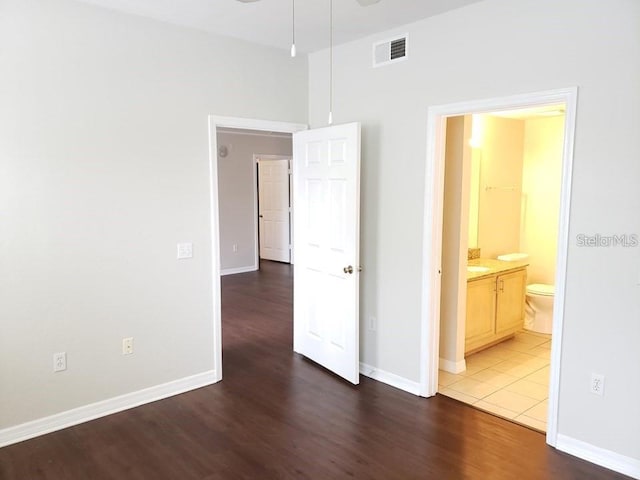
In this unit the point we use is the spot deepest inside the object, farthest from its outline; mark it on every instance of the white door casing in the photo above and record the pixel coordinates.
(433, 214)
(273, 205)
(216, 122)
(326, 195)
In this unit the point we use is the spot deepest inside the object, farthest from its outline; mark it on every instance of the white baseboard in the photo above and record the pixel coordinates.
(92, 411)
(390, 379)
(605, 458)
(233, 271)
(452, 367)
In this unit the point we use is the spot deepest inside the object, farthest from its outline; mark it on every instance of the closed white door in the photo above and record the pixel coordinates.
(326, 199)
(274, 211)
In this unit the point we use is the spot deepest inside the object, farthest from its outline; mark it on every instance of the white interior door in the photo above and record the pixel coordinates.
(273, 209)
(326, 199)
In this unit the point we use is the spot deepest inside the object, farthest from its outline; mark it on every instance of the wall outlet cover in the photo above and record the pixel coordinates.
(59, 361)
(127, 346)
(185, 250)
(597, 384)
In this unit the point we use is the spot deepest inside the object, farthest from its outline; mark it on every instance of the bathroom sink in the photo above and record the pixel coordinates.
(477, 269)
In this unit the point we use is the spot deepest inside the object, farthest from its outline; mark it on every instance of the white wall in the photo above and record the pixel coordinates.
(490, 49)
(236, 194)
(103, 169)
(541, 181)
(455, 225)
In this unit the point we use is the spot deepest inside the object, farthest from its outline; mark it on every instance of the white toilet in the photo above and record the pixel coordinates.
(539, 302)
(538, 310)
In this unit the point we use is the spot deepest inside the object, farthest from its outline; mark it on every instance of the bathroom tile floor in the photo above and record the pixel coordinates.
(510, 379)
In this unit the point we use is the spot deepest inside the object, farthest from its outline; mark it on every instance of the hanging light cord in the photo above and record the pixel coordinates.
(293, 28)
(330, 62)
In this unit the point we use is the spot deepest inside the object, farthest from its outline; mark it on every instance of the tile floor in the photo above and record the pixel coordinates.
(510, 379)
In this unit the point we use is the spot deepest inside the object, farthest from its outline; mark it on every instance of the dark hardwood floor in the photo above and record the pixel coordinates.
(277, 415)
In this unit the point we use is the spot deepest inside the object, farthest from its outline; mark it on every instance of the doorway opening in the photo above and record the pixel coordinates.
(501, 206)
(222, 204)
(497, 290)
(254, 198)
(326, 181)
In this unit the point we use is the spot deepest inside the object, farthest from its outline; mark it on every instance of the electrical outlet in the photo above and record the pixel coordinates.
(185, 250)
(235, 248)
(597, 384)
(127, 346)
(371, 323)
(59, 361)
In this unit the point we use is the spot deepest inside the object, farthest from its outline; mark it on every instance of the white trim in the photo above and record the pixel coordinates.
(254, 134)
(256, 212)
(432, 236)
(255, 124)
(233, 271)
(571, 102)
(216, 121)
(453, 367)
(600, 456)
(215, 247)
(95, 410)
(259, 156)
(391, 379)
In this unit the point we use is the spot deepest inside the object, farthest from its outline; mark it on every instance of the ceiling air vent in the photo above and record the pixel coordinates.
(390, 51)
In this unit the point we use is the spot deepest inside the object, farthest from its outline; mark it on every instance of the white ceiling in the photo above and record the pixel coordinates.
(269, 22)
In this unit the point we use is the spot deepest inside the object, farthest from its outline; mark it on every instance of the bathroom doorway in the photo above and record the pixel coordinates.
(482, 197)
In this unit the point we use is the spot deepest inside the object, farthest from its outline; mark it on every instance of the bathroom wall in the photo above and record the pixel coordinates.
(541, 181)
(454, 243)
(236, 194)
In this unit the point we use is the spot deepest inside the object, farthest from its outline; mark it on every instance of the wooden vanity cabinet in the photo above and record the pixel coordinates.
(481, 312)
(495, 308)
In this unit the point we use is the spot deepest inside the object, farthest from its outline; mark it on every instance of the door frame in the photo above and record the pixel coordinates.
(215, 122)
(256, 193)
(432, 237)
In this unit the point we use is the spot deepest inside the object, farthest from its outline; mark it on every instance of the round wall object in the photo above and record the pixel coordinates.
(223, 151)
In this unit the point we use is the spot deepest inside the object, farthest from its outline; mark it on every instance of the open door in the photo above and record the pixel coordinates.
(273, 205)
(326, 199)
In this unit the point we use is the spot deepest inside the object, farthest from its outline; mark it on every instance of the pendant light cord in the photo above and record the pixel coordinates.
(330, 62)
(293, 28)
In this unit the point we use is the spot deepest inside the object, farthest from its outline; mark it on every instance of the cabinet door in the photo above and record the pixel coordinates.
(481, 312)
(512, 289)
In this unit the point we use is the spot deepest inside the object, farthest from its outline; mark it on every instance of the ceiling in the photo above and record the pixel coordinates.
(269, 22)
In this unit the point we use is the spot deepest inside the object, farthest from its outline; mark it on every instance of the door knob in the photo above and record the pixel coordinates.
(348, 269)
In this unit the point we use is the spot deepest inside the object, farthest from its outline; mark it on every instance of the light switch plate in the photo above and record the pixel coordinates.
(185, 250)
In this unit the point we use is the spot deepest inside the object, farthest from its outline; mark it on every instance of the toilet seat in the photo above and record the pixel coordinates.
(541, 289)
